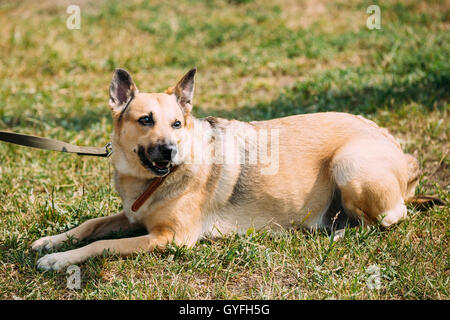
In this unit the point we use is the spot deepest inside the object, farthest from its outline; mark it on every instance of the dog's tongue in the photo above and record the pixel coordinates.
(161, 165)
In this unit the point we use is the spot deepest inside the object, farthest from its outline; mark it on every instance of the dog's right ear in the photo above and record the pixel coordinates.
(121, 90)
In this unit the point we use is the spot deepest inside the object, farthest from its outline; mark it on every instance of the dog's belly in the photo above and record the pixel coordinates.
(232, 219)
(239, 219)
(290, 210)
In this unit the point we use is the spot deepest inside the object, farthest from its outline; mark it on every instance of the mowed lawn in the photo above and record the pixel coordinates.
(256, 60)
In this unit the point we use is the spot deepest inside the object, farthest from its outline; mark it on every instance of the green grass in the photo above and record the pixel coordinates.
(256, 60)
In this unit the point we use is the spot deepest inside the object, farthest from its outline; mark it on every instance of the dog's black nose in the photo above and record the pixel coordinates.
(163, 152)
(168, 151)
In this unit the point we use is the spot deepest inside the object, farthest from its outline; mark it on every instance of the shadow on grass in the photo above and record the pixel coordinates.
(88, 118)
(432, 91)
(319, 95)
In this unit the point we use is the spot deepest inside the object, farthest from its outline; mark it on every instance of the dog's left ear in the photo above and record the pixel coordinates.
(184, 91)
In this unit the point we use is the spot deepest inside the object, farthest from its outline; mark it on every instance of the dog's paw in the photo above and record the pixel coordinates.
(55, 261)
(48, 243)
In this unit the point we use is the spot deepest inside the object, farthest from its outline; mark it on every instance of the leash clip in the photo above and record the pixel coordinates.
(109, 149)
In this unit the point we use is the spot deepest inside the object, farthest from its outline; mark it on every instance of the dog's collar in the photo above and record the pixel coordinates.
(156, 182)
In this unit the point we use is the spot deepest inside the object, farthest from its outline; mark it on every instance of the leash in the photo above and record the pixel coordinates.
(55, 145)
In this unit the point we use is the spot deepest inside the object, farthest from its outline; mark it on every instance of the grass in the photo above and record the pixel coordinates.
(256, 60)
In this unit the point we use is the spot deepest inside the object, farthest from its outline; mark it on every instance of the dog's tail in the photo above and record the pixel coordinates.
(420, 202)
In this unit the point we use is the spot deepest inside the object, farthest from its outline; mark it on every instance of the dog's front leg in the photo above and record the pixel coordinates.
(93, 228)
(60, 260)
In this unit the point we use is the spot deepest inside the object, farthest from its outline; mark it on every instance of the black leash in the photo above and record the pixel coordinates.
(55, 145)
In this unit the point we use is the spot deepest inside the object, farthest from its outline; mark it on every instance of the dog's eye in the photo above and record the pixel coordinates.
(177, 124)
(146, 121)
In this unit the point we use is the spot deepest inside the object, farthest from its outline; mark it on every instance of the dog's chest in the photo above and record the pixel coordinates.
(134, 216)
(129, 190)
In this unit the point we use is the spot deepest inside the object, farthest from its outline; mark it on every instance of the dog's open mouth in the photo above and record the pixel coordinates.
(160, 168)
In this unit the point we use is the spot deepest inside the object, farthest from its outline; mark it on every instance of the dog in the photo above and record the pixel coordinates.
(323, 170)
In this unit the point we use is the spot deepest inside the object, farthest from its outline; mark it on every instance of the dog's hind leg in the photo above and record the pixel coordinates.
(93, 228)
(372, 180)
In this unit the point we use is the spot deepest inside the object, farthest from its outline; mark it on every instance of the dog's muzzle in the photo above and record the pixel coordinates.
(158, 158)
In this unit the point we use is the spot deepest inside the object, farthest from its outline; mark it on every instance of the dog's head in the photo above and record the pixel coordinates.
(149, 128)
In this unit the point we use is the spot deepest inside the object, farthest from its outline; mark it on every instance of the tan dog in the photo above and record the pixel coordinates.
(314, 170)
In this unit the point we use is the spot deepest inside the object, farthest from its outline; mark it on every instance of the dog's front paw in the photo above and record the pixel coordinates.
(55, 261)
(48, 243)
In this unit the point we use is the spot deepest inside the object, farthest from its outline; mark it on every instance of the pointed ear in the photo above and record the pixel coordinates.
(122, 88)
(184, 90)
